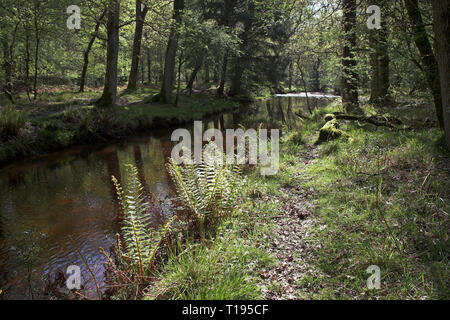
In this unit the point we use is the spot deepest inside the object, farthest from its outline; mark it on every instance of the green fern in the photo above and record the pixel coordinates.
(141, 242)
(208, 190)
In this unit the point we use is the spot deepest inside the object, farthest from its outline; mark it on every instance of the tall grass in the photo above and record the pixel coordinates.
(11, 121)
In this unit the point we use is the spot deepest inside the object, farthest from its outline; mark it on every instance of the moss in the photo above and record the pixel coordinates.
(330, 131)
(329, 116)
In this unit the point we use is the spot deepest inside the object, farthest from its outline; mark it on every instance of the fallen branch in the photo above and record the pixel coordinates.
(379, 121)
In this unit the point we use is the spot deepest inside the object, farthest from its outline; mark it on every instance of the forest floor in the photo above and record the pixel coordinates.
(376, 197)
(62, 118)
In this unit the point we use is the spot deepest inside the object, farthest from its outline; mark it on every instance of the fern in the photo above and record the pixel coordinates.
(207, 190)
(141, 242)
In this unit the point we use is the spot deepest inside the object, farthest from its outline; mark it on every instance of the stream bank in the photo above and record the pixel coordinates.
(83, 124)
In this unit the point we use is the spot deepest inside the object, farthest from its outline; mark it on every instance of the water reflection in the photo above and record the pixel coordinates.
(70, 193)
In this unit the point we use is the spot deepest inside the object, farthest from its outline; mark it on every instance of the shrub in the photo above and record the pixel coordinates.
(207, 190)
(11, 121)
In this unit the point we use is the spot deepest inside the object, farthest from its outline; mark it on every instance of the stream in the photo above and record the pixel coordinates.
(56, 205)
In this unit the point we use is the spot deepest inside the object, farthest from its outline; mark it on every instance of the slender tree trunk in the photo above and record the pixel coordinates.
(140, 18)
(241, 63)
(36, 49)
(142, 70)
(109, 95)
(88, 51)
(172, 47)
(223, 75)
(350, 77)
(27, 61)
(291, 73)
(149, 66)
(380, 61)
(441, 14)
(215, 74)
(374, 72)
(429, 62)
(7, 64)
(194, 73)
(227, 13)
(206, 66)
(180, 64)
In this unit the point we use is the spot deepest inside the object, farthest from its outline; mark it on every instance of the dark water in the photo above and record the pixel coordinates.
(59, 203)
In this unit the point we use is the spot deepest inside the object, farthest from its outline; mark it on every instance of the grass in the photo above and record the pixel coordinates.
(381, 197)
(228, 265)
(383, 200)
(11, 122)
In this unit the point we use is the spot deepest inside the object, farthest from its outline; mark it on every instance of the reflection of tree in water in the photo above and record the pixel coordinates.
(110, 158)
(290, 114)
(281, 112)
(153, 201)
(269, 110)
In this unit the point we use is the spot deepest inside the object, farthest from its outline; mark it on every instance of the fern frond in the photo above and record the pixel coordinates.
(207, 190)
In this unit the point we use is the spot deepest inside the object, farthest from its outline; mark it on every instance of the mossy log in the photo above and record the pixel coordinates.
(376, 120)
(330, 131)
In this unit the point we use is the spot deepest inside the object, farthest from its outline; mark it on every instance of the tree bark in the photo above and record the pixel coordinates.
(241, 62)
(207, 76)
(88, 50)
(223, 75)
(149, 66)
(426, 53)
(193, 75)
(165, 95)
(350, 77)
(36, 48)
(441, 14)
(27, 61)
(140, 18)
(109, 95)
(380, 62)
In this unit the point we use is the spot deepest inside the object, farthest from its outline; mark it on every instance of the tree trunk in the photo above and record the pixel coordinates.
(207, 76)
(27, 61)
(36, 48)
(316, 75)
(350, 76)
(169, 63)
(223, 75)
(194, 73)
(180, 64)
(88, 50)
(441, 14)
(7, 66)
(140, 18)
(109, 95)
(149, 66)
(426, 53)
(380, 61)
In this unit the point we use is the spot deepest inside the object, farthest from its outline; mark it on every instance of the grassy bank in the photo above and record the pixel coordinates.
(62, 119)
(377, 196)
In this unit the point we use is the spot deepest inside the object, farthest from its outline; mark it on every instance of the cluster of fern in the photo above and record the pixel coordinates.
(207, 190)
(140, 241)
